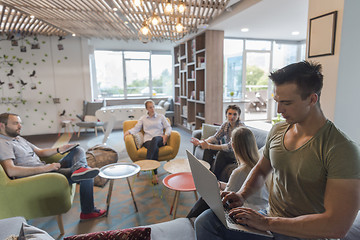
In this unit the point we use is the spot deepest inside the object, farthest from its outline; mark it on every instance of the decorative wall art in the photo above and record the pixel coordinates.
(322, 33)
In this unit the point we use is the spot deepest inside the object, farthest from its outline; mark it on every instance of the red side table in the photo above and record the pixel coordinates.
(180, 182)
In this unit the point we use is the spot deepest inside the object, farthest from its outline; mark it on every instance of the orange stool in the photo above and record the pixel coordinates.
(180, 182)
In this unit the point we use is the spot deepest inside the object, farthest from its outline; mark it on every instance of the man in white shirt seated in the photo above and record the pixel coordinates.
(153, 125)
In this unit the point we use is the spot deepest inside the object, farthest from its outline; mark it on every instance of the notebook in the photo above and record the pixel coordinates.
(207, 185)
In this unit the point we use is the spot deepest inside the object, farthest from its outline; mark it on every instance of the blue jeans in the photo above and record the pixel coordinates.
(74, 160)
(208, 226)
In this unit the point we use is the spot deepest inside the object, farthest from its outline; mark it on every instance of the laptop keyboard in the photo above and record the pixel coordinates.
(227, 216)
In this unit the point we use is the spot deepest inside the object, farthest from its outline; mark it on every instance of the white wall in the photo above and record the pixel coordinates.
(329, 63)
(347, 112)
(341, 85)
(59, 74)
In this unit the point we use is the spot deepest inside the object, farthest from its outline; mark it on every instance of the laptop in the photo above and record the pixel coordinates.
(207, 185)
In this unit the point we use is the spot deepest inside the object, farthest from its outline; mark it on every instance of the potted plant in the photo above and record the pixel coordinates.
(232, 95)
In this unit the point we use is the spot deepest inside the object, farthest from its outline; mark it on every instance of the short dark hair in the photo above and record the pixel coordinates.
(233, 107)
(306, 75)
(4, 117)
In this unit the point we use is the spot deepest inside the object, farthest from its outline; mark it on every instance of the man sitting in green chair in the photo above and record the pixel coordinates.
(20, 158)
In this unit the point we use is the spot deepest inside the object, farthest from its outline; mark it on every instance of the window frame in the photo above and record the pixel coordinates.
(124, 59)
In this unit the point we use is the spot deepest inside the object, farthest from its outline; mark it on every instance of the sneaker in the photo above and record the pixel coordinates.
(84, 173)
(97, 213)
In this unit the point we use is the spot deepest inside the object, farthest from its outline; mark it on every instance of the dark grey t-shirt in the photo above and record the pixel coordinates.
(19, 150)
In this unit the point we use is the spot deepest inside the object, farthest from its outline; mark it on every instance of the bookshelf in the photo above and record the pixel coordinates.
(198, 80)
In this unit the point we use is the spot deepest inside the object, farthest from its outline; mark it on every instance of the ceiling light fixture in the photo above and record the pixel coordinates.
(137, 3)
(115, 9)
(295, 33)
(144, 33)
(181, 7)
(179, 27)
(74, 35)
(155, 19)
(244, 29)
(168, 8)
(145, 29)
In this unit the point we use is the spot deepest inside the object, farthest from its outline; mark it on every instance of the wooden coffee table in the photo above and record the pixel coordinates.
(181, 165)
(149, 165)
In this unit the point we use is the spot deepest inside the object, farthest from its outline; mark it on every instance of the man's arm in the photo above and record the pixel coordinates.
(19, 171)
(342, 203)
(47, 152)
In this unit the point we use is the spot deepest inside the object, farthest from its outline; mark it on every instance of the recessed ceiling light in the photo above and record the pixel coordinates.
(244, 29)
(73, 34)
(126, 22)
(32, 16)
(295, 33)
(115, 9)
(203, 26)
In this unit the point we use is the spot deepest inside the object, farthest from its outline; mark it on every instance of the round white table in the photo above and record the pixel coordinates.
(117, 171)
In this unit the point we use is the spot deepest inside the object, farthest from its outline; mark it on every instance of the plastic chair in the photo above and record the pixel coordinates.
(90, 122)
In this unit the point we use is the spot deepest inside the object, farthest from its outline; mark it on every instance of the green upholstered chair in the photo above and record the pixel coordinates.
(36, 196)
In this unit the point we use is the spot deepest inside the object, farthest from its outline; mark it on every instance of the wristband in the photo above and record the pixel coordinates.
(57, 150)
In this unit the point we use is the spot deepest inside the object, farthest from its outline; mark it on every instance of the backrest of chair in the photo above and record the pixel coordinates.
(129, 124)
(91, 107)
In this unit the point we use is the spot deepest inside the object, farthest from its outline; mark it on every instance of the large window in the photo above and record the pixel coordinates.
(233, 60)
(247, 63)
(130, 74)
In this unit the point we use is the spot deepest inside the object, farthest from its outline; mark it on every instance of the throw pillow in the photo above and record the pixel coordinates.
(166, 106)
(121, 234)
(161, 103)
(208, 130)
(30, 232)
(139, 139)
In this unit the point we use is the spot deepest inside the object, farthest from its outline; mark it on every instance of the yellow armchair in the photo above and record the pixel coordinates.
(36, 196)
(167, 152)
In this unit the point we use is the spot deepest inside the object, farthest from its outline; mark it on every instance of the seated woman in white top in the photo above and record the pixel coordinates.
(247, 155)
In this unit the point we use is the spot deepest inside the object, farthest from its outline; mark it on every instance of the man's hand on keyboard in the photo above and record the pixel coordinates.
(250, 217)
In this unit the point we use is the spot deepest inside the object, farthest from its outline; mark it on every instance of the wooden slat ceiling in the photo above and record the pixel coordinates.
(97, 18)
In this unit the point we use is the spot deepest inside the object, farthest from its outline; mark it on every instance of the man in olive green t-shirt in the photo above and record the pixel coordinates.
(316, 169)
